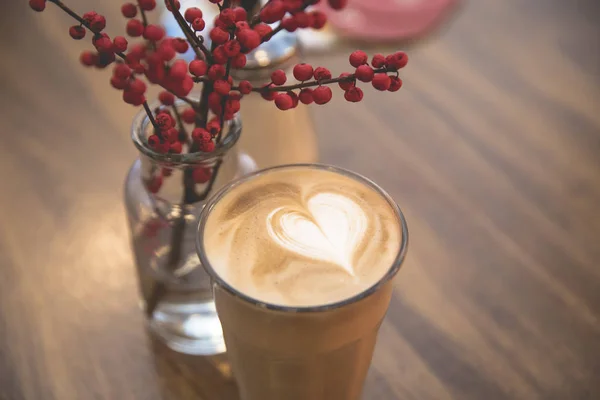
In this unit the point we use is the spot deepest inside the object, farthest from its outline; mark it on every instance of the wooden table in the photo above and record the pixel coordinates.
(492, 150)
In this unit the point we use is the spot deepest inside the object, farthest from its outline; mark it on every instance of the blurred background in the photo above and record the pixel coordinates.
(491, 149)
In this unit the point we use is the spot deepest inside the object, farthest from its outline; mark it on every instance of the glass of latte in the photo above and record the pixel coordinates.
(302, 259)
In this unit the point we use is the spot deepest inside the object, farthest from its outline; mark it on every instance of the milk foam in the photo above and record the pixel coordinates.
(302, 236)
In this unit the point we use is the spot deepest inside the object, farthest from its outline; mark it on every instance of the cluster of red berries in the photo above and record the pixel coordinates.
(133, 88)
(286, 98)
(376, 73)
(278, 10)
(234, 34)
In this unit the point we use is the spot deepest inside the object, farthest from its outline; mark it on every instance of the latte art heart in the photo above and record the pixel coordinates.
(329, 230)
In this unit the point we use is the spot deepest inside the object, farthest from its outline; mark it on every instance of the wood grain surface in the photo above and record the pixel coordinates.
(492, 151)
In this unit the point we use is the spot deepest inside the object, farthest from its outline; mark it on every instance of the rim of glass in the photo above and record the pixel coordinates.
(140, 124)
(392, 271)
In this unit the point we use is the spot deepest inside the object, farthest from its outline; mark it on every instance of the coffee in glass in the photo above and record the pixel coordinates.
(302, 258)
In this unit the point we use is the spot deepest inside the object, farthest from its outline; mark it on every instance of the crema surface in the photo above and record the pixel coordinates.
(302, 236)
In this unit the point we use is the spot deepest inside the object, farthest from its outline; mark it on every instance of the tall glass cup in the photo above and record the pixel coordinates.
(301, 353)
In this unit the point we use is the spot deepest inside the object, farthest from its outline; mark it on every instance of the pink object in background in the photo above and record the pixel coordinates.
(389, 19)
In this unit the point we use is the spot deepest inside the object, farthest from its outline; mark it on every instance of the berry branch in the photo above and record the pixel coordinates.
(307, 84)
(199, 48)
(234, 35)
(145, 21)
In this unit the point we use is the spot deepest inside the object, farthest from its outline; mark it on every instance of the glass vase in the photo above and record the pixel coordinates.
(164, 194)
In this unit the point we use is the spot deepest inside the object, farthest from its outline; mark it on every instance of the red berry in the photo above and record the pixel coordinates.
(89, 16)
(303, 72)
(213, 127)
(138, 51)
(176, 2)
(120, 44)
(245, 87)
(364, 73)
(219, 56)
(147, 5)
(137, 86)
(166, 98)
(289, 24)
(218, 35)
(178, 70)
(346, 84)
(306, 96)
(263, 30)
(249, 38)
(216, 72)
(232, 106)
(103, 44)
(166, 50)
(192, 13)
(278, 77)
(208, 147)
(134, 27)
(283, 101)
(198, 67)
(295, 98)
(122, 71)
(232, 48)
(378, 61)
(381, 82)
(396, 84)
(180, 45)
(201, 135)
(241, 25)
(238, 61)
(318, 19)
(267, 94)
(176, 147)
(322, 73)
(227, 17)
(397, 60)
(185, 86)
(222, 87)
(153, 185)
(156, 73)
(164, 121)
(358, 58)
(188, 115)
(302, 19)
(154, 33)
(198, 24)
(171, 135)
(77, 32)
(272, 12)
(129, 10)
(240, 14)
(165, 147)
(88, 58)
(354, 94)
(337, 4)
(292, 5)
(322, 95)
(153, 141)
(37, 5)
(135, 99)
(202, 175)
(119, 83)
(98, 23)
